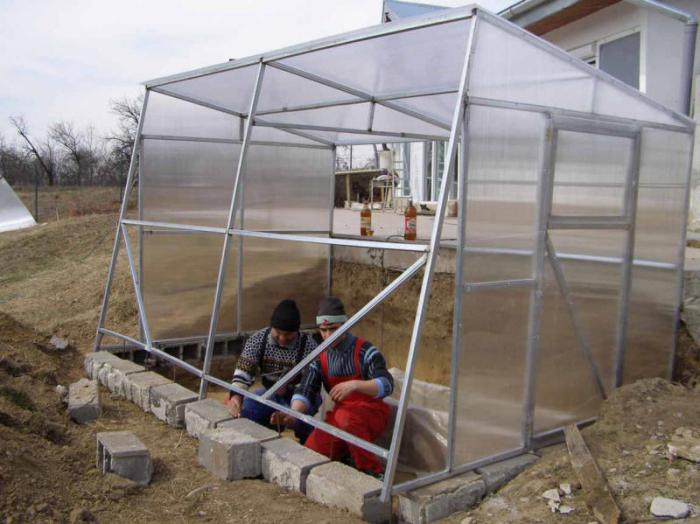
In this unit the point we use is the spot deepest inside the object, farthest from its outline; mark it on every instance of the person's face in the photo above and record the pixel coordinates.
(327, 330)
(283, 338)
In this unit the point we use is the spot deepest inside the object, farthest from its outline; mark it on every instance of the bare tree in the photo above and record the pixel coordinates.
(44, 153)
(71, 140)
(122, 139)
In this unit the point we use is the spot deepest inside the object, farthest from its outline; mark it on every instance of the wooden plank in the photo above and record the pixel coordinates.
(596, 490)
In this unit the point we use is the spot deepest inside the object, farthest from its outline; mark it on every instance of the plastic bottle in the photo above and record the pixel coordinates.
(410, 225)
(365, 221)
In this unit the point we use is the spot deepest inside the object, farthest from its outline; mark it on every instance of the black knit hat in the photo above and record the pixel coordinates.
(331, 311)
(286, 316)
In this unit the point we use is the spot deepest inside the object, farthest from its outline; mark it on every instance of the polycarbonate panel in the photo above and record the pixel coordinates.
(354, 116)
(285, 189)
(166, 115)
(612, 100)
(506, 67)
(504, 153)
(565, 388)
(440, 107)
(590, 174)
(504, 165)
(281, 136)
(188, 182)
(658, 243)
(386, 119)
(281, 89)
(491, 369)
(379, 66)
(230, 89)
(179, 283)
(13, 214)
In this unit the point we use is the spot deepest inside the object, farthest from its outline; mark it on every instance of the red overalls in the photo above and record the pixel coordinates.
(359, 414)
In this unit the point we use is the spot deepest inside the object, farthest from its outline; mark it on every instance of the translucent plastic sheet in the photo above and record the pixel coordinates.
(13, 214)
(565, 388)
(166, 115)
(378, 66)
(658, 244)
(286, 189)
(188, 182)
(591, 171)
(504, 151)
(179, 283)
(514, 69)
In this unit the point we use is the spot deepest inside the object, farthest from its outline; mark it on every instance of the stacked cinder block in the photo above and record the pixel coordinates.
(168, 403)
(204, 414)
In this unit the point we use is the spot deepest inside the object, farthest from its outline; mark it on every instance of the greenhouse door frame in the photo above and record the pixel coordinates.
(545, 251)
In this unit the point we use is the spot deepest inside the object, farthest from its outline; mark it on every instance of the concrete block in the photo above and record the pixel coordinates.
(113, 373)
(95, 360)
(121, 452)
(441, 499)
(335, 484)
(496, 475)
(287, 463)
(249, 428)
(84, 401)
(204, 414)
(137, 387)
(168, 403)
(229, 454)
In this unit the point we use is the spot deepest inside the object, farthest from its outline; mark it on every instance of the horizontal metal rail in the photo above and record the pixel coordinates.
(499, 284)
(396, 246)
(323, 144)
(352, 131)
(588, 222)
(352, 439)
(378, 299)
(151, 349)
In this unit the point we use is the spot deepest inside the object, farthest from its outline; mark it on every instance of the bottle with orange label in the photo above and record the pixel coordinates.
(410, 225)
(365, 221)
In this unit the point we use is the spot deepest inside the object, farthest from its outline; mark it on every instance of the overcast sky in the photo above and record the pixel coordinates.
(64, 60)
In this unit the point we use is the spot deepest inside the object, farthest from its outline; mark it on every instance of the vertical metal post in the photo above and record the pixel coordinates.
(544, 204)
(630, 211)
(143, 320)
(122, 212)
(433, 170)
(140, 204)
(459, 288)
(214, 321)
(239, 264)
(329, 283)
(680, 260)
(432, 255)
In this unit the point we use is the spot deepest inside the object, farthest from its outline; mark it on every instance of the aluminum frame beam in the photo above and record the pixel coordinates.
(238, 183)
(450, 155)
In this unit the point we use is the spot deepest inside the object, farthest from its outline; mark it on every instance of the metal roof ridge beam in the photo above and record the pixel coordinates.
(360, 94)
(379, 30)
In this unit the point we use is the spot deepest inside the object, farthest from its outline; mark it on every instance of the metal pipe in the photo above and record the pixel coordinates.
(457, 120)
(576, 322)
(680, 257)
(544, 204)
(197, 102)
(459, 277)
(137, 287)
(498, 284)
(378, 299)
(630, 209)
(329, 282)
(352, 131)
(590, 222)
(122, 213)
(141, 247)
(689, 38)
(214, 321)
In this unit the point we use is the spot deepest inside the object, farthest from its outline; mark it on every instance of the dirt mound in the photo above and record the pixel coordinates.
(628, 441)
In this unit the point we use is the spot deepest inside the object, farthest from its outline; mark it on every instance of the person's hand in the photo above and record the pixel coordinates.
(342, 390)
(282, 419)
(234, 404)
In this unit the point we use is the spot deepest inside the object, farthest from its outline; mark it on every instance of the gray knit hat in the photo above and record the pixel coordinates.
(331, 311)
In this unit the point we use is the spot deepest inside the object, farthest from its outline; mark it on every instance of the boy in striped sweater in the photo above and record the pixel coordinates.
(354, 374)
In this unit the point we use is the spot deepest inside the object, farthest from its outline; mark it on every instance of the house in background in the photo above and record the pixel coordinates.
(650, 45)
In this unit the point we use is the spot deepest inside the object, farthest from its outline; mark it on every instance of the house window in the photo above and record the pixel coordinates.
(620, 58)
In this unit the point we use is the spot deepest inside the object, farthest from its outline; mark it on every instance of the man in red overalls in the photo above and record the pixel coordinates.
(354, 374)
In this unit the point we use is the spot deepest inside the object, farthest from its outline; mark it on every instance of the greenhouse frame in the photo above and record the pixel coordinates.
(573, 194)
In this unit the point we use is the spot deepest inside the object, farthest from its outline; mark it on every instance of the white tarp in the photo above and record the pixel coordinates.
(13, 214)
